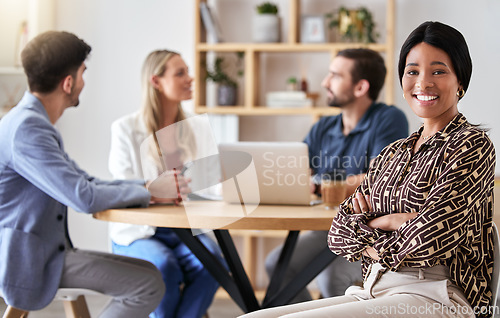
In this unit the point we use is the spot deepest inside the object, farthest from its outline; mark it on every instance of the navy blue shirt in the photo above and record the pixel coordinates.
(330, 150)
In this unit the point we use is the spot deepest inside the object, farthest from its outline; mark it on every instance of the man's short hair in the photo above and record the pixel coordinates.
(50, 57)
(368, 65)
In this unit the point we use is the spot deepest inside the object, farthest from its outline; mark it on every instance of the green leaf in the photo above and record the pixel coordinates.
(267, 8)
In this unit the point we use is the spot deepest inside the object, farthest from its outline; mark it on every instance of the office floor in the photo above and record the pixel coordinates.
(222, 307)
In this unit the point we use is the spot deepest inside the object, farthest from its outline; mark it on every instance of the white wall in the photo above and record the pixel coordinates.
(478, 22)
(122, 32)
(12, 13)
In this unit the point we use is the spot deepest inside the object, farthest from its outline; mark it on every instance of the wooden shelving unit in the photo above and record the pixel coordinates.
(253, 51)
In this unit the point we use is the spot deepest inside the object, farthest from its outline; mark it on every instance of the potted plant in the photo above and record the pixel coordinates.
(266, 23)
(227, 86)
(291, 83)
(354, 25)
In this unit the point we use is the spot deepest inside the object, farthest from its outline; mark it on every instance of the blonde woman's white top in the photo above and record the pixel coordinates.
(125, 162)
(127, 135)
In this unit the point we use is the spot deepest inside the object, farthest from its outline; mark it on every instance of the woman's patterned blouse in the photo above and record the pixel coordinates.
(449, 183)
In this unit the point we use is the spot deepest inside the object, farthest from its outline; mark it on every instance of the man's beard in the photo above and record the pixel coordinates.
(334, 103)
(339, 103)
(75, 98)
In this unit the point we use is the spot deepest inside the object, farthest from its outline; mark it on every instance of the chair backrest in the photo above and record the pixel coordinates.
(495, 281)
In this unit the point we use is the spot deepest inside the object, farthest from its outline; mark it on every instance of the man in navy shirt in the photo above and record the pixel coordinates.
(347, 143)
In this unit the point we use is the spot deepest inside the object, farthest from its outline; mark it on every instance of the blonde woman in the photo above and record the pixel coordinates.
(165, 83)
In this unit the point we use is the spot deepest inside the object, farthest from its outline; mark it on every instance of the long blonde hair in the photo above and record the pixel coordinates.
(152, 111)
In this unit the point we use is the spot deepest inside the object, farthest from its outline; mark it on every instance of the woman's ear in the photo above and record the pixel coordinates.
(361, 88)
(154, 81)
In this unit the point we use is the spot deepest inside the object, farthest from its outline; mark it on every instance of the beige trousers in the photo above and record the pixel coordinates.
(410, 292)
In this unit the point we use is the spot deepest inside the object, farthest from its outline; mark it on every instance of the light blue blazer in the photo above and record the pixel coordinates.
(37, 182)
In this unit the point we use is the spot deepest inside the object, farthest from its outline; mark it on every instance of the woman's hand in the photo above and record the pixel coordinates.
(361, 203)
(171, 187)
(184, 188)
(370, 252)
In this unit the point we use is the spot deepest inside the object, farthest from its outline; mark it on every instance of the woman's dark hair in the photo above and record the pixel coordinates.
(50, 57)
(445, 38)
(368, 65)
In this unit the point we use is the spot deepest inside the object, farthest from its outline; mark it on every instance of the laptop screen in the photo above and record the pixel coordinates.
(281, 169)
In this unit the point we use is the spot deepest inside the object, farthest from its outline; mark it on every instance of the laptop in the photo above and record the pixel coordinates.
(281, 168)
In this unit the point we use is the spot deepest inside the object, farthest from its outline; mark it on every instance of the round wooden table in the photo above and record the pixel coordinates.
(221, 217)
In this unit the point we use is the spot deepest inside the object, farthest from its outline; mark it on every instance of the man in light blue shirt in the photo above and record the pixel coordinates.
(38, 181)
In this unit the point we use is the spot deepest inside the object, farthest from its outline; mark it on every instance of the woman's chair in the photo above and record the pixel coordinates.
(75, 305)
(495, 278)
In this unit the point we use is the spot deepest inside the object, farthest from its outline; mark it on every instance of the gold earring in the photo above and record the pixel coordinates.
(404, 96)
(461, 93)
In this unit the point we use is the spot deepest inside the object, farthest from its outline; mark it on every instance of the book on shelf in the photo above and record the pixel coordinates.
(210, 23)
(288, 99)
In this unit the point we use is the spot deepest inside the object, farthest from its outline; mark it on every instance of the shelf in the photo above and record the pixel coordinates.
(266, 111)
(286, 47)
(11, 70)
(255, 53)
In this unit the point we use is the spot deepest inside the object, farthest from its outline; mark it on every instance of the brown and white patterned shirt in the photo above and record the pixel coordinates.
(449, 182)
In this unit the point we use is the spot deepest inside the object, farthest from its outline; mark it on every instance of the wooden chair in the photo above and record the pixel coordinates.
(75, 305)
(495, 278)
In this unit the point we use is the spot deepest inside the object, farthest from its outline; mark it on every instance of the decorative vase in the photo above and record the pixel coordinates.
(226, 95)
(266, 28)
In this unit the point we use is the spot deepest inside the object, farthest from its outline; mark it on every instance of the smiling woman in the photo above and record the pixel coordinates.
(421, 220)
(434, 75)
(430, 86)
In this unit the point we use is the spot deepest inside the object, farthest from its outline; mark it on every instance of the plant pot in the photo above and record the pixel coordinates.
(226, 95)
(266, 28)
